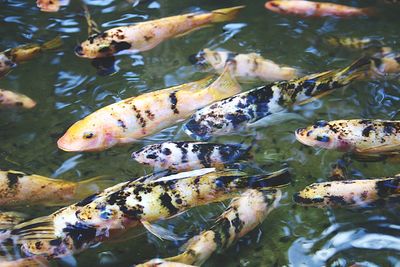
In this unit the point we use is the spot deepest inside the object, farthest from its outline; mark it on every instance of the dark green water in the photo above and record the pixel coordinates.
(67, 88)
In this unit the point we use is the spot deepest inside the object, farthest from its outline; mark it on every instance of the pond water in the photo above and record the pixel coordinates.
(68, 88)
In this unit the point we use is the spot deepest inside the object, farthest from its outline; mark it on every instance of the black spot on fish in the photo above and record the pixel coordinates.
(166, 151)
(152, 156)
(13, 178)
(80, 233)
(120, 46)
(166, 201)
(367, 130)
(323, 138)
(87, 200)
(338, 200)
(55, 242)
(237, 223)
(148, 38)
(122, 125)
(307, 201)
(105, 50)
(174, 101)
(389, 128)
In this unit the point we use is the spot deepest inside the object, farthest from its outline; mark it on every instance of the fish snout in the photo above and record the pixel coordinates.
(79, 50)
(10, 63)
(300, 131)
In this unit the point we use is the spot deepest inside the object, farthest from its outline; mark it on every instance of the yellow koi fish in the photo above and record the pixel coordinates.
(349, 193)
(130, 204)
(9, 99)
(147, 35)
(137, 117)
(243, 215)
(245, 66)
(18, 188)
(11, 57)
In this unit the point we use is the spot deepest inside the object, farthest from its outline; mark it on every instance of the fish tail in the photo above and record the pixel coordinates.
(357, 70)
(52, 44)
(225, 14)
(276, 179)
(370, 11)
(225, 85)
(92, 186)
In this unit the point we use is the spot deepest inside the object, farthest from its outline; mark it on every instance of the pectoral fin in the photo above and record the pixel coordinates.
(160, 232)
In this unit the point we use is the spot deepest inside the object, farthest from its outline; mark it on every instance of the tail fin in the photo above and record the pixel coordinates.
(370, 11)
(52, 44)
(225, 14)
(225, 86)
(92, 186)
(276, 179)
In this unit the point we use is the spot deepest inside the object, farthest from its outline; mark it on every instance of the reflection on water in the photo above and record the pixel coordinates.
(68, 88)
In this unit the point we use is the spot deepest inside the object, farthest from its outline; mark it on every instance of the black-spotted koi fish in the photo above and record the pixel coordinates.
(180, 156)
(243, 215)
(13, 56)
(238, 112)
(18, 188)
(349, 193)
(360, 136)
(245, 66)
(147, 35)
(129, 204)
(9, 99)
(136, 117)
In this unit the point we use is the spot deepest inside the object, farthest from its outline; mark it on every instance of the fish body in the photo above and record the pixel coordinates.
(129, 204)
(136, 117)
(51, 5)
(9, 99)
(316, 9)
(353, 42)
(245, 66)
(146, 35)
(11, 57)
(349, 193)
(181, 156)
(238, 112)
(242, 215)
(360, 136)
(18, 188)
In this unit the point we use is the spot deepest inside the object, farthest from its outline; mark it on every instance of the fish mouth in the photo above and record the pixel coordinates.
(62, 144)
(299, 133)
(79, 51)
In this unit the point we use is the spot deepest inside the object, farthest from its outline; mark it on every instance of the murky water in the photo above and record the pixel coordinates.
(67, 88)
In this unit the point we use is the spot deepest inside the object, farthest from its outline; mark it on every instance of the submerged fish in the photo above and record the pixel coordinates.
(140, 116)
(51, 5)
(18, 188)
(243, 215)
(245, 66)
(181, 156)
(357, 136)
(129, 204)
(386, 63)
(317, 9)
(147, 35)
(10, 57)
(10, 218)
(9, 99)
(350, 193)
(353, 42)
(162, 263)
(240, 111)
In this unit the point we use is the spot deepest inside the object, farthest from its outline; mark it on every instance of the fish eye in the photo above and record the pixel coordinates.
(322, 138)
(88, 135)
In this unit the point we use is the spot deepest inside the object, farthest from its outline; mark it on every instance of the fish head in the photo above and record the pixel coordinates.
(310, 196)
(86, 135)
(276, 6)
(321, 135)
(5, 64)
(148, 155)
(100, 45)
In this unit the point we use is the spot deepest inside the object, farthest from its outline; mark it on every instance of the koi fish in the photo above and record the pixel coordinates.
(350, 193)
(129, 204)
(317, 9)
(10, 218)
(245, 66)
(242, 216)
(386, 63)
(162, 263)
(238, 112)
(51, 5)
(179, 156)
(136, 117)
(357, 136)
(147, 35)
(9, 99)
(353, 42)
(18, 188)
(13, 56)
